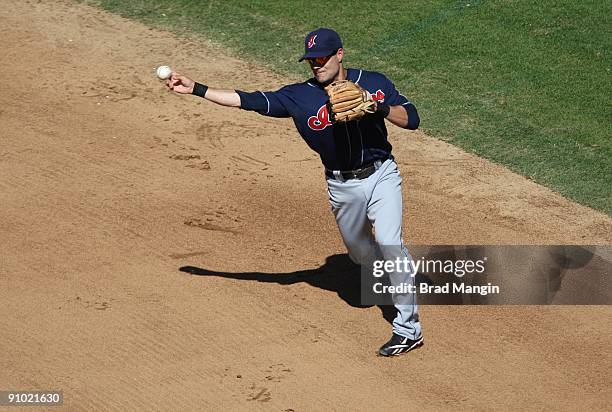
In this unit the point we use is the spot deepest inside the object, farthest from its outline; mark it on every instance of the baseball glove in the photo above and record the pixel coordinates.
(348, 101)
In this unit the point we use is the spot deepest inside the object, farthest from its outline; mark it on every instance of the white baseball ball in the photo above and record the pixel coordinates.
(164, 72)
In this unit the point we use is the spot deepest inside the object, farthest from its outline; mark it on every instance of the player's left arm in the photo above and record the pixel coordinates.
(398, 116)
(397, 109)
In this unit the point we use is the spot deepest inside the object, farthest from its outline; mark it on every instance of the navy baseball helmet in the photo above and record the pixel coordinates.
(321, 42)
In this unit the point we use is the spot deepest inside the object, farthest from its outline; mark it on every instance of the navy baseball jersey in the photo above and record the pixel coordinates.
(341, 145)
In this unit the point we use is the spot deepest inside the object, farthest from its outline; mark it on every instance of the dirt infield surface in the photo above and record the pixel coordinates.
(109, 184)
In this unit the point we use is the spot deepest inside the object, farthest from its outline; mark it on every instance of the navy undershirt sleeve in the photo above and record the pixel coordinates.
(413, 117)
(253, 101)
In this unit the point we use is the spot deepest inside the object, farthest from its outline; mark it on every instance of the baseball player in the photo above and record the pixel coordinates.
(364, 183)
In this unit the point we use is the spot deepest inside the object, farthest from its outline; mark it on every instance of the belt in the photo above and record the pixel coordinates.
(366, 171)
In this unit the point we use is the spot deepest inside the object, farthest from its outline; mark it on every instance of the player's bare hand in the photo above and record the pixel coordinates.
(180, 83)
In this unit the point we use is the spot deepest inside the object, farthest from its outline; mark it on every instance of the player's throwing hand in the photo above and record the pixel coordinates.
(180, 83)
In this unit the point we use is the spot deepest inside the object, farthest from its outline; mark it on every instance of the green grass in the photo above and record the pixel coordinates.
(525, 84)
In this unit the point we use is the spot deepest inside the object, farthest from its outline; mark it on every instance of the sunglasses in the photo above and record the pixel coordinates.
(320, 61)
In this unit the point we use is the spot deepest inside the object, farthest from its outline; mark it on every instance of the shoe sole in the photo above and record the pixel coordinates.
(414, 346)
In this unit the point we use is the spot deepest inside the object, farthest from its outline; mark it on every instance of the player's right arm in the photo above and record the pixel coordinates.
(184, 85)
(267, 104)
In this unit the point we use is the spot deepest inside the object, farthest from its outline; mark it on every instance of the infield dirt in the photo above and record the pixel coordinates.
(109, 184)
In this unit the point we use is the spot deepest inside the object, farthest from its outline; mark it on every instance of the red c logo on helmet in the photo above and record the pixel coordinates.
(311, 41)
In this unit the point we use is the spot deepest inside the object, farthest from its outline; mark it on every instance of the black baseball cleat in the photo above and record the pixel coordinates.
(399, 344)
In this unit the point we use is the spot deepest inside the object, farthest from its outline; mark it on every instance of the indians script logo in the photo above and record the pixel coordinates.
(321, 120)
(311, 41)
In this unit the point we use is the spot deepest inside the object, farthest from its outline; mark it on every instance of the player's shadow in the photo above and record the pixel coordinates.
(339, 274)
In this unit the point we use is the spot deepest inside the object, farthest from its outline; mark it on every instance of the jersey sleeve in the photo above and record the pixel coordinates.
(273, 104)
(394, 98)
